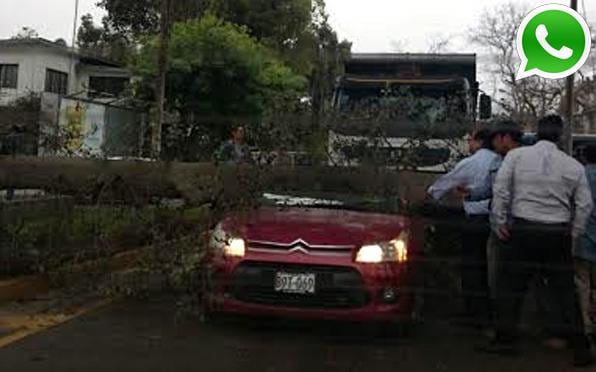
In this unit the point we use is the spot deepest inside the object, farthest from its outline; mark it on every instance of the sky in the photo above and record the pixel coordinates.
(52, 19)
(381, 25)
(372, 25)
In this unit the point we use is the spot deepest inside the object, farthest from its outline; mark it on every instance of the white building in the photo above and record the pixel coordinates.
(39, 65)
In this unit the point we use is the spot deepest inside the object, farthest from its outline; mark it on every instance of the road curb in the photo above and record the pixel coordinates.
(24, 288)
(29, 287)
(42, 322)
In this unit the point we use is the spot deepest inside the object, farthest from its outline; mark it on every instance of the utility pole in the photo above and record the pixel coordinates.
(71, 79)
(74, 23)
(569, 104)
(162, 67)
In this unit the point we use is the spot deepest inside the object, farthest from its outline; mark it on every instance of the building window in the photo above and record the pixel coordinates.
(103, 85)
(9, 75)
(56, 82)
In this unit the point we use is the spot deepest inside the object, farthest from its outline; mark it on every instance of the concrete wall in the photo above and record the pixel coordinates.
(33, 63)
(26, 76)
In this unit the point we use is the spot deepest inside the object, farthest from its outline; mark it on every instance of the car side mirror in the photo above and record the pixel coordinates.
(486, 107)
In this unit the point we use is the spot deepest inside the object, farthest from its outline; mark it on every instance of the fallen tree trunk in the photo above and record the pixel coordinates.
(90, 178)
(198, 183)
(72, 176)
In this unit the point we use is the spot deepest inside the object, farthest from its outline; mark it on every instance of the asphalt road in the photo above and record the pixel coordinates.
(145, 336)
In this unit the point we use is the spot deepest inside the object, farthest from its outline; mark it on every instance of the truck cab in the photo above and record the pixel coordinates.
(404, 110)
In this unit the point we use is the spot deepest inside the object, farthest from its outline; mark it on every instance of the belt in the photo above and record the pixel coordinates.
(522, 224)
(477, 216)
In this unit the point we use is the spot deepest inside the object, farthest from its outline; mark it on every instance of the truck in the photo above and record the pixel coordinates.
(407, 111)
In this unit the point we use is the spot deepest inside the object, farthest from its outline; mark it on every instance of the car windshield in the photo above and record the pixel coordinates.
(441, 97)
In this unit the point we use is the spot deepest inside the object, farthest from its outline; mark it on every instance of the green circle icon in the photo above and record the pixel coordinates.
(553, 42)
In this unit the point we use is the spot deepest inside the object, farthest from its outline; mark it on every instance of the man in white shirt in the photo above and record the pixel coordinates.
(541, 201)
(474, 172)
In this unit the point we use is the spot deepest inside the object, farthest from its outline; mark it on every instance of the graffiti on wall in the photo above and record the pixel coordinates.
(83, 126)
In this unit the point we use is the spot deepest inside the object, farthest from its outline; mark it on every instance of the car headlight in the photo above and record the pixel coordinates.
(228, 245)
(393, 251)
(236, 247)
(370, 254)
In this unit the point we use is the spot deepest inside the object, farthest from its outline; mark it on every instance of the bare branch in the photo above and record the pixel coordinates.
(524, 100)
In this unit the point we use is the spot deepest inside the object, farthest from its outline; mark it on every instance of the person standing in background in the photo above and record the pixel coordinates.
(235, 149)
(473, 171)
(585, 251)
(541, 203)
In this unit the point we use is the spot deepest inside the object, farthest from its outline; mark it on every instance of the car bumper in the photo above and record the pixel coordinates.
(370, 313)
(364, 301)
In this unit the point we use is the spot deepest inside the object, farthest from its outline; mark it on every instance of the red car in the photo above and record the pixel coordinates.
(312, 259)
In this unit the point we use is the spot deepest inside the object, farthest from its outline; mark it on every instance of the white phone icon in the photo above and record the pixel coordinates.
(542, 34)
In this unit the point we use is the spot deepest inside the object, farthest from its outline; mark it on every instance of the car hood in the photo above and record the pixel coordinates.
(315, 227)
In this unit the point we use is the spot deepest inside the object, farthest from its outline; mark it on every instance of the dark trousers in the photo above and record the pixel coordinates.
(544, 251)
(474, 273)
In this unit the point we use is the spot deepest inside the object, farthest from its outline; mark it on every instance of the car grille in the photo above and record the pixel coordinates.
(336, 287)
(314, 250)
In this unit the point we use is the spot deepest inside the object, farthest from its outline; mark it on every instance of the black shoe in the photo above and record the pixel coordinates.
(472, 322)
(465, 323)
(499, 348)
(583, 358)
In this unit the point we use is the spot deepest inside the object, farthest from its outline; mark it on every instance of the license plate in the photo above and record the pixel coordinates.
(295, 283)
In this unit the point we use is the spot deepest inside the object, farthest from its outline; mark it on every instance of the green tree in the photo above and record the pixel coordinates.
(293, 28)
(329, 59)
(278, 24)
(218, 72)
(297, 31)
(132, 18)
(102, 41)
(89, 36)
(139, 18)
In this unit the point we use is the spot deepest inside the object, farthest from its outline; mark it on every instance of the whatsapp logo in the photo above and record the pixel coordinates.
(553, 42)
